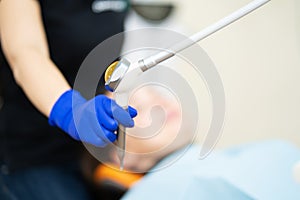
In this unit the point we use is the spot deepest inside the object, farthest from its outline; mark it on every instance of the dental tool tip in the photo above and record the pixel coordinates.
(122, 165)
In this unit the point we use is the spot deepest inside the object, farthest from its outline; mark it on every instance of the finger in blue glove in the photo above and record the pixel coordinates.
(94, 121)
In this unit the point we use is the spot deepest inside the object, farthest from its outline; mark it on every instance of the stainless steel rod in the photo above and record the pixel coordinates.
(153, 60)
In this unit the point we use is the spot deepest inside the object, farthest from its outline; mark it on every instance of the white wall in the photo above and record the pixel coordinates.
(258, 59)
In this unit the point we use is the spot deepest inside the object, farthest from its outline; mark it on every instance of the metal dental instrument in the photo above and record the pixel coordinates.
(121, 132)
(117, 75)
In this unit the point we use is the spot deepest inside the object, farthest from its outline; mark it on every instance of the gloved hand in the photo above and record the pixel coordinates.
(94, 121)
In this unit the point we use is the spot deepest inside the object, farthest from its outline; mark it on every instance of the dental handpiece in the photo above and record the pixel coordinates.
(115, 75)
(122, 100)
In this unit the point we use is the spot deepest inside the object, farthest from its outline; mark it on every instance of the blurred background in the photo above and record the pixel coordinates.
(257, 57)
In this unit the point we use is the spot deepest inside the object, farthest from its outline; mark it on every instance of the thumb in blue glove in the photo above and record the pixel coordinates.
(94, 121)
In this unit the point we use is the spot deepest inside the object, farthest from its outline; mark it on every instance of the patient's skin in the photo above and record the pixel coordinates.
(156, 127)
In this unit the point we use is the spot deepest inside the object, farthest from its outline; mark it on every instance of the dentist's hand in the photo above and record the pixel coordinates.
(94, 121)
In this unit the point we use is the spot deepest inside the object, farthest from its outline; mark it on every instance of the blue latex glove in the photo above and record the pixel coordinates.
(94, 121)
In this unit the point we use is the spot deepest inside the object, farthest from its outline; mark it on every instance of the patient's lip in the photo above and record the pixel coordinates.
(172, 114)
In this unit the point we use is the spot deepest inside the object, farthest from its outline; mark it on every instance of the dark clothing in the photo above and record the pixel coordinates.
(39, 184)
(73, 30)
